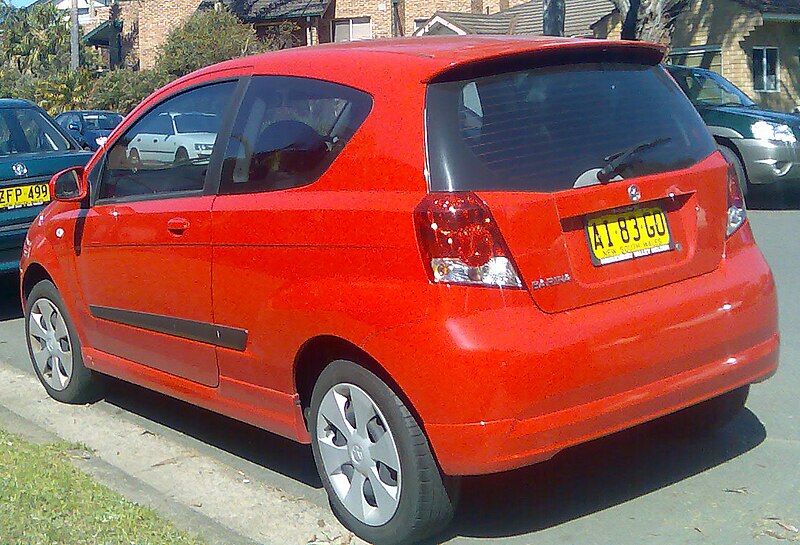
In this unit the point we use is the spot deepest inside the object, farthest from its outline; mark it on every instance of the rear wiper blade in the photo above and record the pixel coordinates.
(617, 162)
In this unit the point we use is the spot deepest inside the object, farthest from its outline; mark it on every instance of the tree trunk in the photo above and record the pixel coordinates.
(630, 22)
(554, 14)
(649, 20)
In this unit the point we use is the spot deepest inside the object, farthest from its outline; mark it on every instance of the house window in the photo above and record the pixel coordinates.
(419, 23)
(708, 58)
(351, 30)
(766, 69)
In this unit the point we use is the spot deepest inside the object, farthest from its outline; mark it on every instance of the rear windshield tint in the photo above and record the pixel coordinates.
(551, 129)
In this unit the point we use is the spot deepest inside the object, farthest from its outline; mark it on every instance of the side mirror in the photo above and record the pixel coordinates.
(69, 185)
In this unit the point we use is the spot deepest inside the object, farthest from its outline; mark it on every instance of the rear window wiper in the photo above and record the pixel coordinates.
(617, 162)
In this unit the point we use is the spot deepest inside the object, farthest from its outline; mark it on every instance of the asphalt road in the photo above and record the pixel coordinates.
(738, 486)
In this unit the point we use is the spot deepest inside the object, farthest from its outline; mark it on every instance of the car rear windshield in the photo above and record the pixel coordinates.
(102, 122)
(196, 122)
(27, 130)
(554, 128)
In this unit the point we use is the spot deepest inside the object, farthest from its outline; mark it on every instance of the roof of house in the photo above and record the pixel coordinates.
(773, 6)
(253, 11)
(40, 2)
(527, 18)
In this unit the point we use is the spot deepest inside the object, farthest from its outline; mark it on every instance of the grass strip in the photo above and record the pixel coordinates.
(45, 500)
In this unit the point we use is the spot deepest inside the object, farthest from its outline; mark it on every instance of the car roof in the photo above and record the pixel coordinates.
(16, 103)
(178, 114)
(377, 64)
(90, 112)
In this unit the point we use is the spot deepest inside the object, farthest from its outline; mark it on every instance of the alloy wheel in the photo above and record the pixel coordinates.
(359, 454)
(50, 342)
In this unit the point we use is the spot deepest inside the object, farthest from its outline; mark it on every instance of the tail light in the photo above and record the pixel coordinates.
(737, 212)
(461, 243)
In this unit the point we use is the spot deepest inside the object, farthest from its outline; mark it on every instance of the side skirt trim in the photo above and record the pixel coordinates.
(204, 332)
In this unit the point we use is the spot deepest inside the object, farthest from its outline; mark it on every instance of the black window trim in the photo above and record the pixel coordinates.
(214, 171)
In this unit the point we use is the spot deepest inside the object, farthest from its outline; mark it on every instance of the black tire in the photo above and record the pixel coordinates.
(181, 156)
(733, 158)
(708, 416)
(134, 160)
(425, 504)
(82, 385)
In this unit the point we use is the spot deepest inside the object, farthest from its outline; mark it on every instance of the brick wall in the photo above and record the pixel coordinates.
(423, 9)
(722, 23)
(609, 27)
(378, 11)
(128, 13)
(735, 30)
(156, 19)
(785, 37)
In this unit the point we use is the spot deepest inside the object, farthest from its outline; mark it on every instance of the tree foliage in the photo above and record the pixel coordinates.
(35, 40)
(121, 90)
(68, 90)
(649, 20)
(207, 37)
(34, 58)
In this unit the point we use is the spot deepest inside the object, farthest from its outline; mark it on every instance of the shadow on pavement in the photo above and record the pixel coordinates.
(10, 305)
(595, 476)
(242, 440)
(577, 482)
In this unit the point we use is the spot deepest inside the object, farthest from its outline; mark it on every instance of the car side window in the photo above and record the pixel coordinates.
(288, 132)
(151, 159)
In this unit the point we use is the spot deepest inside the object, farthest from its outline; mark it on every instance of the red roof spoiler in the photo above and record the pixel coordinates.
(554, 53)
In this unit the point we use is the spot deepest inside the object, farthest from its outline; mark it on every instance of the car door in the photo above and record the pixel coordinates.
(144, 255)
(287, 134)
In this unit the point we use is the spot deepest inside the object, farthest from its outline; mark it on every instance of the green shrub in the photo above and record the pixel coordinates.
(63, 91)
(121, 90)
(34, 58)
(207, 37)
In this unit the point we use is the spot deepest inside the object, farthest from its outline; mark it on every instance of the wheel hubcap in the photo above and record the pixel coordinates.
(359, 454)
(50, 344)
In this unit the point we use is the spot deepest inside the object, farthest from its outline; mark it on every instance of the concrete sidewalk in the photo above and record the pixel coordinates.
(200, 494)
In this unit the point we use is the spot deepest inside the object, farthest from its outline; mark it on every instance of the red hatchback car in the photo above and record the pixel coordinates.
(426, 257)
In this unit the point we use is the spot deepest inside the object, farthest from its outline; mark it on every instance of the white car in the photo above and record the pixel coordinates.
(174, 138)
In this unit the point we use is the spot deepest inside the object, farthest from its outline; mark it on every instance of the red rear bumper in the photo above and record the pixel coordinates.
(508, 444)
(499, 385)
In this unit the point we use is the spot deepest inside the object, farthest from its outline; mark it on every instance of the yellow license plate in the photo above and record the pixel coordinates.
(624, 235)
(24, 195)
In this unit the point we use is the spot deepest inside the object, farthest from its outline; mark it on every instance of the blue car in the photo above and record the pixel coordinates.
(32, 148)
(89, 127)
